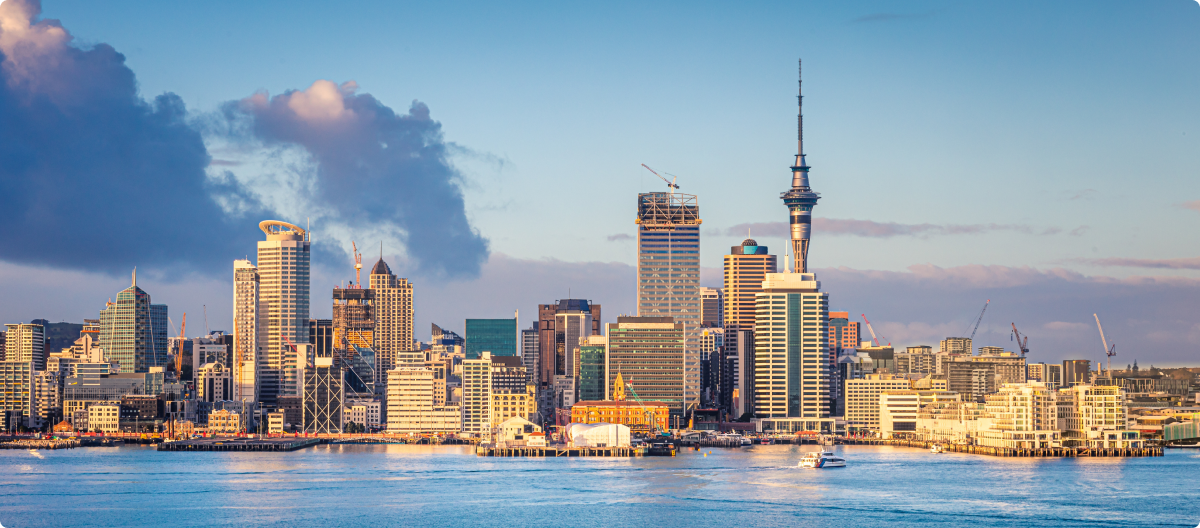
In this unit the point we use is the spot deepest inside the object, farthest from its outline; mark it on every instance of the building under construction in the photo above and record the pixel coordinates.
(669, 272)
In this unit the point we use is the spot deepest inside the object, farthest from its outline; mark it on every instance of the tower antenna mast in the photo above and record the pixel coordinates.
(800, 198)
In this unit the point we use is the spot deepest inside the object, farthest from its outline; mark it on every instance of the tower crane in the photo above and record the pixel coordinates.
(1022, 343)
(357, 265)
(179, 356)
(670, 183)
(1108, 350)
(872, 330)
(980, 319)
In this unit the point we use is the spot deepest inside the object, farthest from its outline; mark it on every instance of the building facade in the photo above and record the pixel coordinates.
(249, 331)
(863, 399)
(283, 273)
(648, 354)
(498, 336)
(393, 308)
(25, 342)
(669, 272)
(791, 351)
(713, 307)
(133, 332)
(322, 397)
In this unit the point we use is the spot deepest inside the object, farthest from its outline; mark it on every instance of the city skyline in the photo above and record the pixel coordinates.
(934, 252)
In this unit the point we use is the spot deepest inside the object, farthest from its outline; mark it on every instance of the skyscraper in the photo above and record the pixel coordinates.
(283, 271)
(249, 331)
(26, 343)
(648, 354)
(792, 348)
(800, 199)
(498, 336)
(393, 306)
(552, 335)
(669, 272)
(530, 355)
(133, 332)
(745, 267)
(712, 300)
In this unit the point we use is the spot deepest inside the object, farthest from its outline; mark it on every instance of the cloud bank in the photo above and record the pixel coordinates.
(872, 229)
(97, 178)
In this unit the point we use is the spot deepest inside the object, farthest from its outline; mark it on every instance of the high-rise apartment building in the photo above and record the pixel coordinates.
(669, 272)
(1047, 373)
(557, 324)
(956, 346)
(791, 349)
(713, 303)
(412, 405)
(283, 273)
(493, 390)
(843, 333)
(648, 354)
(26, 343)
(249, 331)
(498, 336)
(17, 393)
(133, 332)
(393, 307)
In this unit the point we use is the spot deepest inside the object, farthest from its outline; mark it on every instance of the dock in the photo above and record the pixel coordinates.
(1057, 452)
(558, 451)
(240, 444)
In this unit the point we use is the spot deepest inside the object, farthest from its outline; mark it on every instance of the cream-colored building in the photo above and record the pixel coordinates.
(392, 308)
(508, 404)
(791, 350)
(898, 409)
(275, 422)
(1023, 416)
(283, 277)
(213, 383)
(249, 334)
(104, 418)
(952, 422)
(411, 408)
(224, 422)
(364, 412)
(863, 396)
(517, 431)
(26, 343)
(477, 395)
(1095, 416)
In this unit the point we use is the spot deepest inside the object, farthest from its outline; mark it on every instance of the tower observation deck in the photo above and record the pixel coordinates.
(800, 199)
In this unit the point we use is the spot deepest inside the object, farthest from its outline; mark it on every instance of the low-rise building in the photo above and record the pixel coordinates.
(898, 410)
(1023, 416)
(411, 408)
(224, 421)
(105, 418)
(862, 400)
(638, 416)
(517, 431)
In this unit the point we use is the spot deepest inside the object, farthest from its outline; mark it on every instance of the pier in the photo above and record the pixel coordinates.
(1059, 452)
(558, 451)
(240, 444)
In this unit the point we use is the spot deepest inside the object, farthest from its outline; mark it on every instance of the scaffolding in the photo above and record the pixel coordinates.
(659, 211)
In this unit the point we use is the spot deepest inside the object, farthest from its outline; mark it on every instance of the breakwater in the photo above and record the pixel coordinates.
(559, 451)
(33, 443)
(240, 444)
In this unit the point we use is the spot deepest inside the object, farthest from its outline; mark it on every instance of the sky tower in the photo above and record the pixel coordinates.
(800, 199)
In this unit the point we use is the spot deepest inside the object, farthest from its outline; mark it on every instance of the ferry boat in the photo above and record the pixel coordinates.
(747, 442)
(821, 460)
(936, 449)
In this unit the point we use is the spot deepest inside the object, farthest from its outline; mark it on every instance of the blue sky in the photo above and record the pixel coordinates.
(1051, 136)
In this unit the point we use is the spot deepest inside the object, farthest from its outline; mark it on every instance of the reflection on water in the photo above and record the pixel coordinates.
(351, 485)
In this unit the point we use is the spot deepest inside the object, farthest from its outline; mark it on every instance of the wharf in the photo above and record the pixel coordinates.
(34, 443)
(240, 444)
(558, 451)
(1061, 452)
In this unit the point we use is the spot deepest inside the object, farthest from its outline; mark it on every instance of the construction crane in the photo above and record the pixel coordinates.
(1022, 343)
(874, 339)
(1108, 350)
(179, 356)
(670, 183)
(652, 419)
(357, 265)
(980, 319)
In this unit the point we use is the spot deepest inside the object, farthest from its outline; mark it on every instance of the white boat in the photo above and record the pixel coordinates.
(936, 449)
(747, 441)
(821, 460)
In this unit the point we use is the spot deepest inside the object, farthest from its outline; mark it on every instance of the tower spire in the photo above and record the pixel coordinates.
(800, 199)
(135, 276)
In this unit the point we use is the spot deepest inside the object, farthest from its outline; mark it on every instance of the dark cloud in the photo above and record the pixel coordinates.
(872, 229)
(620, 236)
(373, 167)
(95, 177)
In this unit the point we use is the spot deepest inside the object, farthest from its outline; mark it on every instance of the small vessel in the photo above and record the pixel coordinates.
(936, 449)
(747, 441)
(661, 449)
(821, 460)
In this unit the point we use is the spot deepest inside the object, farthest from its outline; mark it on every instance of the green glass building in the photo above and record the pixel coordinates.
(591, 373)
(498, 336)
(133, 332)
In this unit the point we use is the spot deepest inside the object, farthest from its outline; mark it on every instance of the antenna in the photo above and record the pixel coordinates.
(800, 107)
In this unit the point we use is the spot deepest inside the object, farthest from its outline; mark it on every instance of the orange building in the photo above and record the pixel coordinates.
(628, 413)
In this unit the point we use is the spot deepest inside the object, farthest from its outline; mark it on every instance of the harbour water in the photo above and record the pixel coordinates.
(392, 485)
